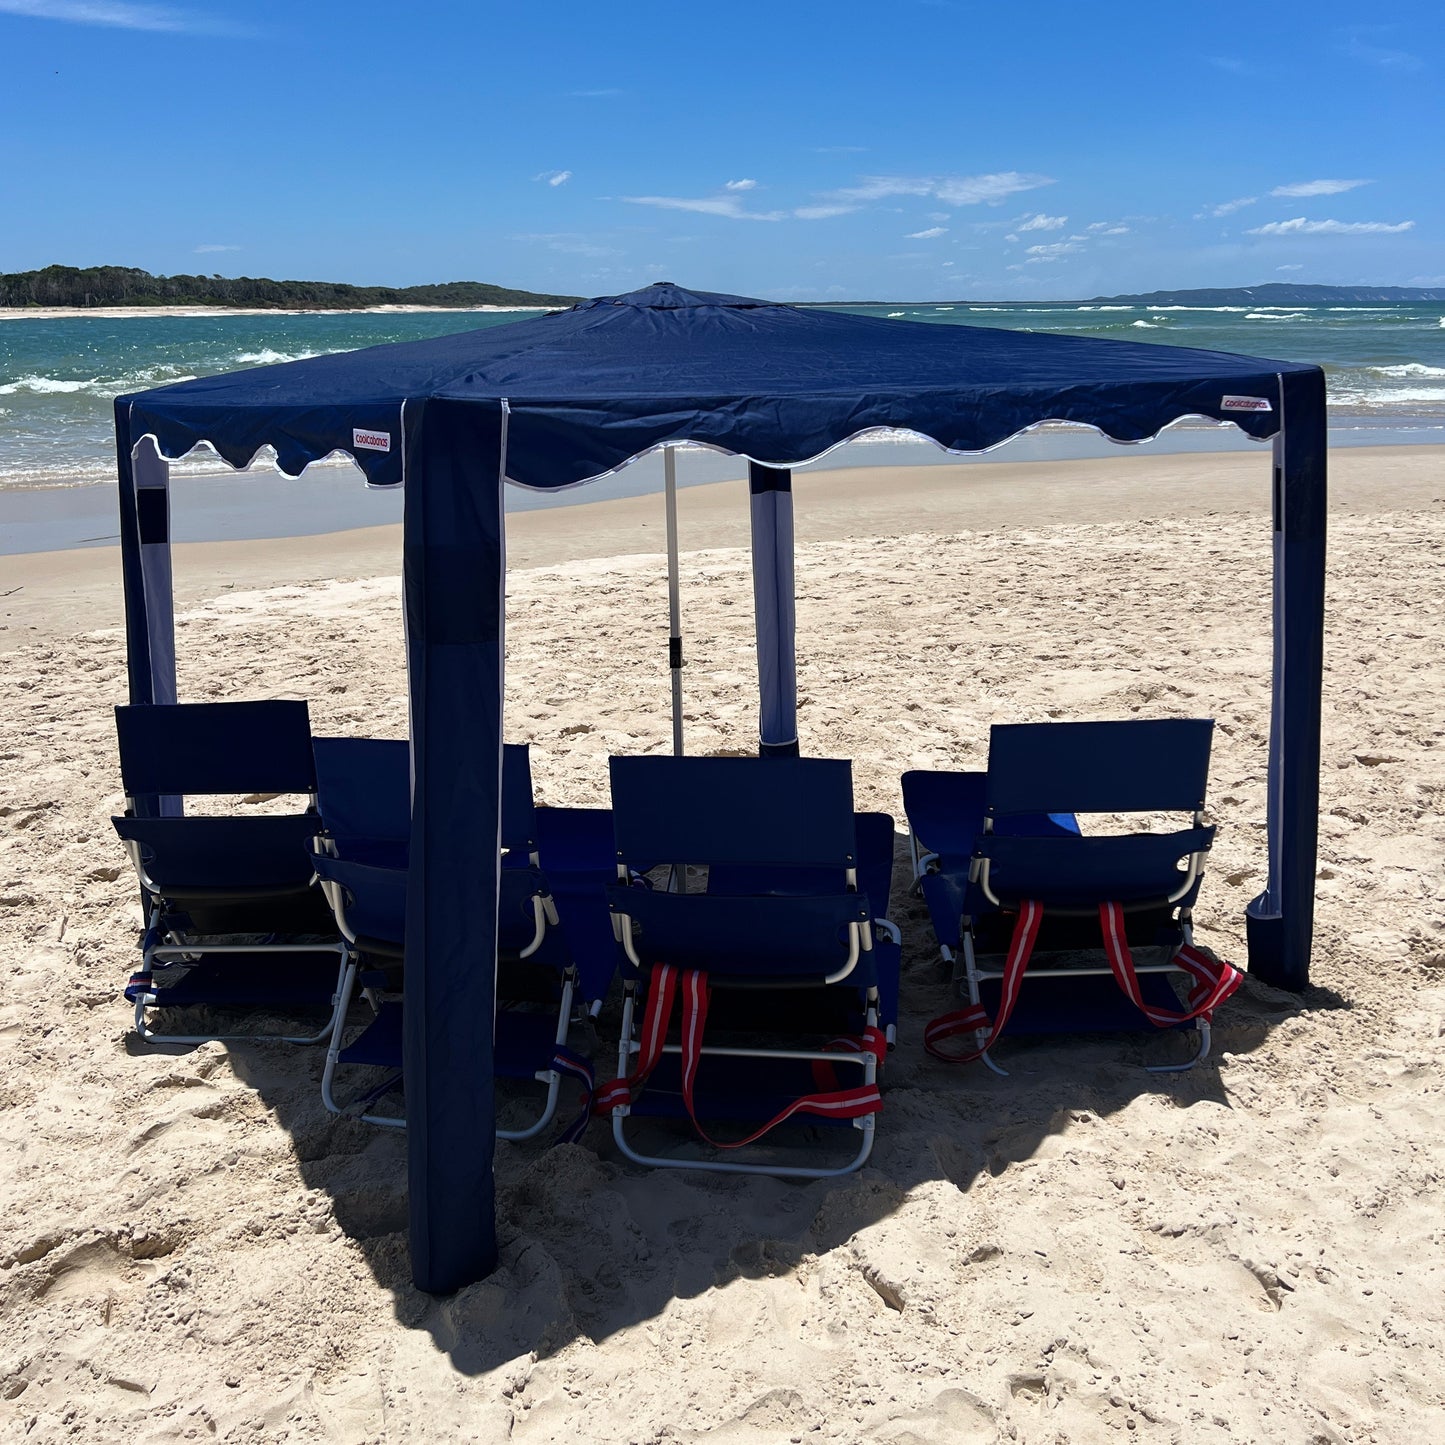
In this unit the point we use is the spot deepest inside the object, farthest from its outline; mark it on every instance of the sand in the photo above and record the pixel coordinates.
(191, 1248)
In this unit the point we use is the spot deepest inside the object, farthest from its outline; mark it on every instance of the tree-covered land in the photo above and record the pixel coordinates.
(126, 286)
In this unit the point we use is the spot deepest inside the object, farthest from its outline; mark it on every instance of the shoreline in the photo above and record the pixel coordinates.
(118, 313)
(80, 586)
(218, 504)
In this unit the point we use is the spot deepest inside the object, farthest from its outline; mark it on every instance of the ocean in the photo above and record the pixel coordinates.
(1386, 364)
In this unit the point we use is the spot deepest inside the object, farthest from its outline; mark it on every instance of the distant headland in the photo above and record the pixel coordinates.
(1281, 293)
(89, 287)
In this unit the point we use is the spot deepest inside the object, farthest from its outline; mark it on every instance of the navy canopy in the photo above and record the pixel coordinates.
(555, 400)
(588, 389)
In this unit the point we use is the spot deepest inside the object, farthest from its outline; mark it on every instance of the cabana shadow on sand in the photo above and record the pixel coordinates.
(559, 400)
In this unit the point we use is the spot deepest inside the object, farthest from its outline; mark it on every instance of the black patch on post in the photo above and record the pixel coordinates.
(153, 515)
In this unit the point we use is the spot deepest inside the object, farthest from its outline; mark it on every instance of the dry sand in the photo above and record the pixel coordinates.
(192, 1249)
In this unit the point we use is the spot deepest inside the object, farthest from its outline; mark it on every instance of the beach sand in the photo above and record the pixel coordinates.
(191, 1248)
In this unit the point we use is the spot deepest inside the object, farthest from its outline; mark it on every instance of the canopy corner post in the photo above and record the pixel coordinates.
(1280, 921)
(674, 595)
(454, 570)
(775, 609)
(145, 553)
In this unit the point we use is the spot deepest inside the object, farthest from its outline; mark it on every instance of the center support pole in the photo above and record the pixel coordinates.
(674, 601)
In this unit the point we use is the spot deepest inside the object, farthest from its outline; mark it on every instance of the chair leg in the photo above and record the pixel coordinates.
(338, 1024)
(1203, 1039)
(970, 975)
(550, 1077)
(186, 952)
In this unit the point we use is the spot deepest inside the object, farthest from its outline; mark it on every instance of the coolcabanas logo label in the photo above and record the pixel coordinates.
(380, 441)
(1245, 403)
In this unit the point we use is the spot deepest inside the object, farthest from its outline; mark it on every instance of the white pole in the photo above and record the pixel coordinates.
(674, 604)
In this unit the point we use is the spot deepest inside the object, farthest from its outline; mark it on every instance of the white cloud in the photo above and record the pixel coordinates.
(1358, 47)
(1317, 188)
(1042, 222)
(729, 206)
(570, 243)
(1301, 227)
(951, 190)
(1295, 267)
(927, 235)
(203, 250)
(743, 185)
(1225, 208)
(553, 178)
(120, 15)
(1053, 250)
(1108, 228)
(1233, 65)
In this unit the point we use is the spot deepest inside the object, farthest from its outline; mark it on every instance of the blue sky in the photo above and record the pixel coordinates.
(919, 149)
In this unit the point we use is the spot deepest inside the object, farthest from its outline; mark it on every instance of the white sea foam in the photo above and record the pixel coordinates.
(1409, 368)
(892, 314)
(1394, 395)
(1109, 308)
(1276, 316)
(1198, 308)
(943, 308)
(1374, 309)
(44, 386)
(1147, 325)
(269, 357)
(101, 386)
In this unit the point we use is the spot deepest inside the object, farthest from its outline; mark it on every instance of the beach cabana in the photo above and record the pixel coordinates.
(559, 400)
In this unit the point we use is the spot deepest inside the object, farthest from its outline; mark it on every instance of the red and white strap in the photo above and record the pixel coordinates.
(974, 1019)
(1214, 981)
(666, 983)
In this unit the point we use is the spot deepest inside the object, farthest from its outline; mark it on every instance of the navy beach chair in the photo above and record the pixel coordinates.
(1038, 897)
(207, 880)
(779, 947)
(361, 861)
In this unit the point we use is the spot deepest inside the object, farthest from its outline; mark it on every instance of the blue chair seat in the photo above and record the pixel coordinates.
(736, 1093)
(525, 1042)
(245, 980)
(1091, 1003)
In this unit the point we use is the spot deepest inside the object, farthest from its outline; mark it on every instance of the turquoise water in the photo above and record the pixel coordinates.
(1386, 364)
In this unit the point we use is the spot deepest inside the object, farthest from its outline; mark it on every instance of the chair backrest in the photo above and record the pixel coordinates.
(363, 787)
(215, 747)
(364, 791)
(1131, 766)
(519, 816)
(784, 812)
(375, 897)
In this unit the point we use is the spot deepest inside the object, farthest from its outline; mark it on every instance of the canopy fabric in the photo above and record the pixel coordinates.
(555, 400)
(591, 388)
